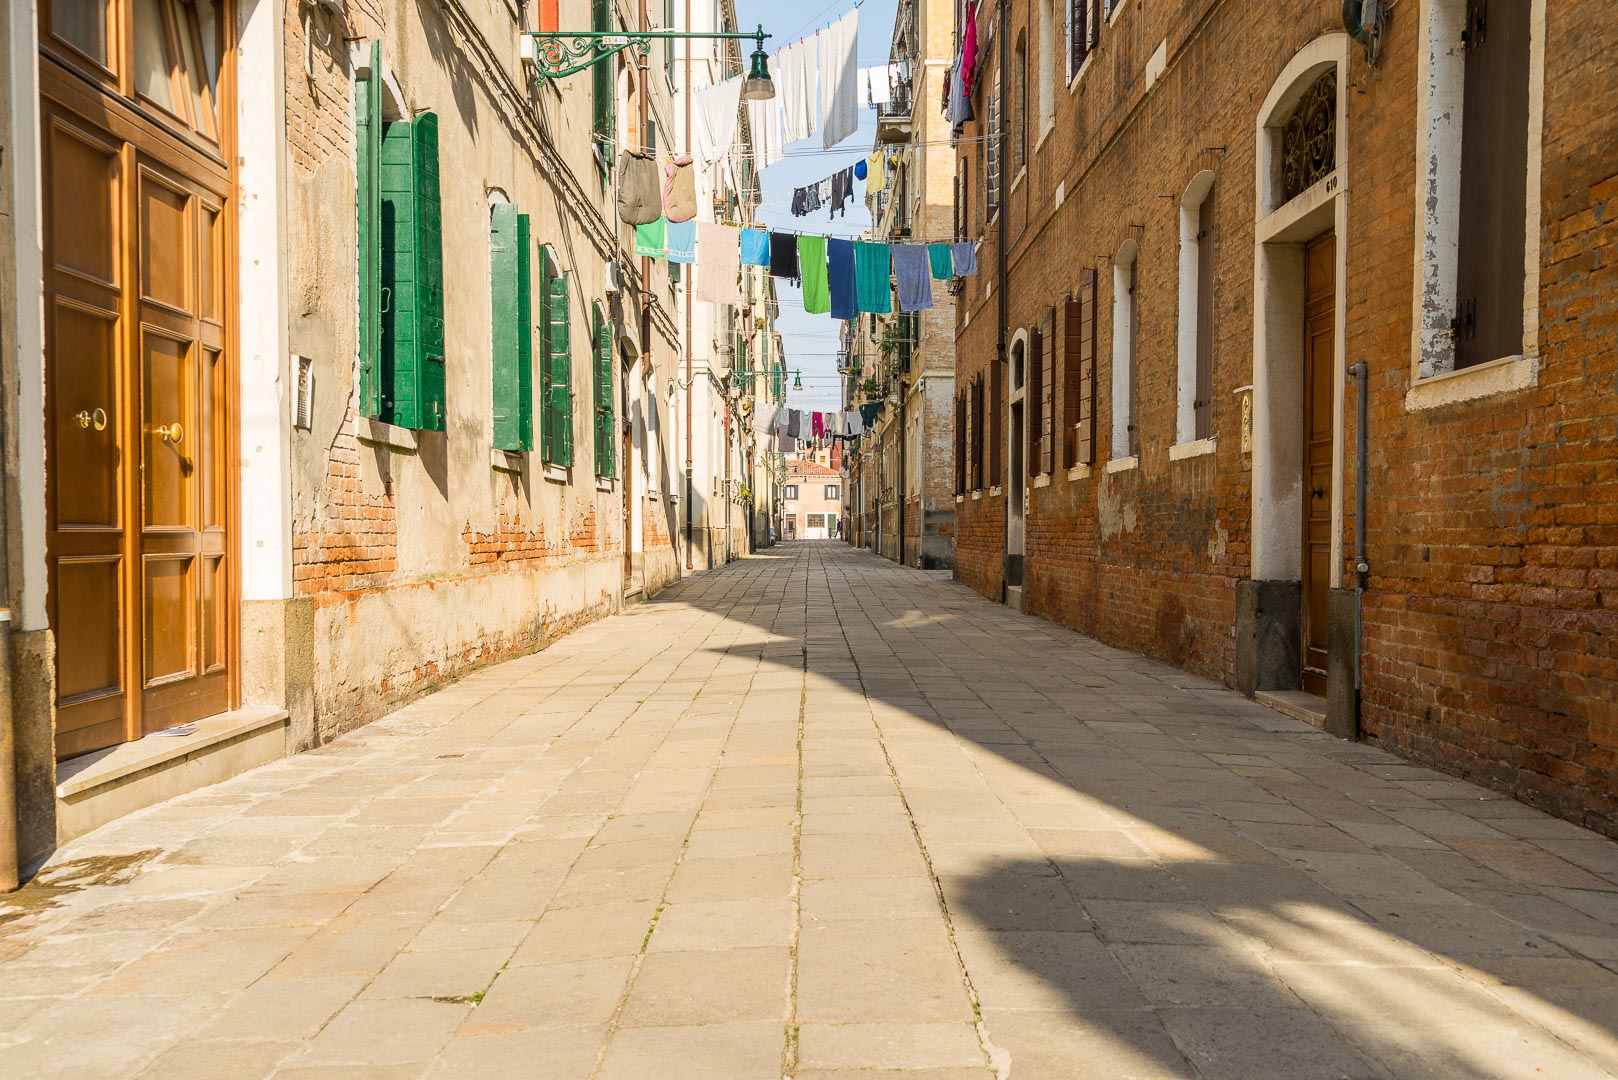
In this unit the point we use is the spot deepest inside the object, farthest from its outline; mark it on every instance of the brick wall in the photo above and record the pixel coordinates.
(1492, 605)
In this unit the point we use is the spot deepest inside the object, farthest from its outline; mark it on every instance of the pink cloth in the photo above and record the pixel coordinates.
(969, 49)
(817, 424)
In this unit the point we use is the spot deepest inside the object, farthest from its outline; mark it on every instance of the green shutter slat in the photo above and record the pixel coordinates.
(368, 200)
(606, 454)
(558, 433)
(604, 85)
(429, 284)
(503, 251)
(525, 336)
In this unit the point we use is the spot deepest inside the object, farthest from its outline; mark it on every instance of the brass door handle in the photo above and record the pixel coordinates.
(98, 418)
(173, 433)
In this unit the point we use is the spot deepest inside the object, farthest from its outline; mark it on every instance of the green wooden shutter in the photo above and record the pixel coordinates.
(429, 273)
(400, 384)
(558, 428)
(506, 322)
(606, 452)
(604, 87)
(368, 200)
(525, 335)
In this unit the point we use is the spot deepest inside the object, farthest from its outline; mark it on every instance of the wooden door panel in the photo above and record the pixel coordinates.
(168, 433)
(89, 639)
(167, 259)
(85, 178)
(1320, 337)
(86, 417)
(168, 604)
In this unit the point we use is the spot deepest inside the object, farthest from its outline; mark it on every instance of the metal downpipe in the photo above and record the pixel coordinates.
(1362, 455)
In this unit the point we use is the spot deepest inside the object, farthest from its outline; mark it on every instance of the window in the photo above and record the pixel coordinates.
(1036, 400)
(606, 445)
(996, 422)
(401, 262)
(604, 88)
(511, 311)
(1194, 415)
(963, 190)
(176, 53)
(960, 443)
(556, 384)
(977, 433)
(816, 521)
(1083, 33)
(1079, 372)
(1045, 396)
(833, 491)
(790, 491)
(1019, 108)
(1124, 442)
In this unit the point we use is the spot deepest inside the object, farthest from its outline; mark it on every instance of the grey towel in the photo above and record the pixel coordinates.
(640, 191)
(912, 272)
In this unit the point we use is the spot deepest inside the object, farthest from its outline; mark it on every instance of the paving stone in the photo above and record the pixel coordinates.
(384, 1033)
(539, 1054)
(707, 1052)
(676, 988)
(582, 993)
(889, 1046)
(722, 924)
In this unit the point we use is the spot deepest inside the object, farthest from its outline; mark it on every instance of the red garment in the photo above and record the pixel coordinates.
(969, 49)
(817, 424)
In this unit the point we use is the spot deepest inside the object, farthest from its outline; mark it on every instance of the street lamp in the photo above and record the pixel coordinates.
(556, 54)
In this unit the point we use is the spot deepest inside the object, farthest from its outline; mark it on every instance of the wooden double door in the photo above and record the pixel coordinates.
(1319, 382)
(139, 383)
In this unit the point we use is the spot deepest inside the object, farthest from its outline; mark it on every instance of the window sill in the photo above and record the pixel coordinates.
(1079, 472)
(509, 461)
(1073, 83)
(996, 491)
(1193, 449)
(1504, 376)
(372, 430)
(558, 474)
(1016, 181)
(976, 495)
(1046, 128)
(1123, 464)
(959, 499)
(604, 483)
(1042, 480)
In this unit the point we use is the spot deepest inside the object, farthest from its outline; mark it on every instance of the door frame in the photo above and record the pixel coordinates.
(140, 134)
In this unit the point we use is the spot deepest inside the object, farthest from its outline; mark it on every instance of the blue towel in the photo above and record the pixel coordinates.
(912, 272)
(840, 267)
(965, 257)
(682, 241)
(755, 247)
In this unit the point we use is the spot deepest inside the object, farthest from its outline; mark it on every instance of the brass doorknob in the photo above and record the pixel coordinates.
(98, 418)
(173, 433)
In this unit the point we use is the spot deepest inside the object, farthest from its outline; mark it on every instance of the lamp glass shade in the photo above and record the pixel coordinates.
(759, 86)
(797, 381)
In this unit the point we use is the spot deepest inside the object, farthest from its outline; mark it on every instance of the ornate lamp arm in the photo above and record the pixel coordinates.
(560, 53)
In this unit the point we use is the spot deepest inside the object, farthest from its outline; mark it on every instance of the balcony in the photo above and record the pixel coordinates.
(893, 118)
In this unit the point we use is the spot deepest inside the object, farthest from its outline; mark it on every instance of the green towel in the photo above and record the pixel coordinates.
(873, 273)
(652, 241)
(812, 268)
(943, 265)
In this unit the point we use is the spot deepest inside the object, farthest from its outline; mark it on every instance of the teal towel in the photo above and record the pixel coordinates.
(943, 262)
(651, 241)
(873, 272)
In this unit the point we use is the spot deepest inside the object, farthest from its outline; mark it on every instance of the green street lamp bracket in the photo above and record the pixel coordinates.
(556, 54)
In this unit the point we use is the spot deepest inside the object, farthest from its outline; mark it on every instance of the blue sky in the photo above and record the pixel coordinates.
(811, 340)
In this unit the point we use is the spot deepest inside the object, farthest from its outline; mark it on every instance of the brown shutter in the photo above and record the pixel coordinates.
(1093, 24)
(960, 443)
(977, 433)
(1086, 430)
(997, 434)
(1047, 401)
(1203, 406)
(1070, 382)
(1034, 400)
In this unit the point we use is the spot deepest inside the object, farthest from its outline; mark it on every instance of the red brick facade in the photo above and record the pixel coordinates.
(1491, 607)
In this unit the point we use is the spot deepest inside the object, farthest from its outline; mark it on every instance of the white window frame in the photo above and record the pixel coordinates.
(1185, 415)
(1441, 81)
(1125, 275)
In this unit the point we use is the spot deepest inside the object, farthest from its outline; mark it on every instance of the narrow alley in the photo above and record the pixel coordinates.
(815, 815)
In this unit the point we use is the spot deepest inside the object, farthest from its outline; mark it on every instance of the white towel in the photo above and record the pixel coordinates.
(718, 262)
(797, 89)
(764, 122)
(878, 88)
(839, 79)
(715, 114)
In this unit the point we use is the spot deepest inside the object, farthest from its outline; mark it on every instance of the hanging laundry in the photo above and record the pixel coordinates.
(969, 49)
(806, 200)
(878, 91)
(679, 189)
(838, 79)
(720, 246)
(796, 88)
(910, 273)
(840, 273)
(640, 195)
(965, 259)
(794, 423)
(942, 262)
(872, 270)
(715, 112)
(877, 163)
(651, 239)
(755, 247)
(825, 191)
(783, 255)
(842, 190)
(681, 241)
(817, 424)
(859, 169)
(869, 412)
(853, 423)
(764, 124)
(812, 267)
(958, 107)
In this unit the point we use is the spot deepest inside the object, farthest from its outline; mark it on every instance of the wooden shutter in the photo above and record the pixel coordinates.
(1078, 40)
(997, 408)
(1203, 402)
(960, 443)
(557, 430)
(1070, 381)
(411, 367)
(1047, 403)
(1092, 25)
(1488, 319)
(605, 445)
(1035, 400)
(510, 304)
(604, 86)
(368, 203)
(977, 433)
(1085, 430)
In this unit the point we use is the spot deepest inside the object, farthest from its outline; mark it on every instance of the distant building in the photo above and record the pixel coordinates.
(811, 501)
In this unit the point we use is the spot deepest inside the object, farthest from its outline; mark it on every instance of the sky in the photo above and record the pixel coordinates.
(811, 340)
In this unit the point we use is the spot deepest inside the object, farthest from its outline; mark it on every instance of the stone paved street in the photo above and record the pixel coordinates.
(815, 815)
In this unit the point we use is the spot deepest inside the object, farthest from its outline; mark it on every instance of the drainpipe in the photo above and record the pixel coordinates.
(903, 425)
(921, 506)
(688, 306)
(1361, 375)
(1003, 274)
